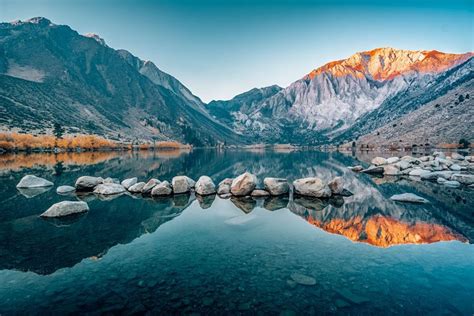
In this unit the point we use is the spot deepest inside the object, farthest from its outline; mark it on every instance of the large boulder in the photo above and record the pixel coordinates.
(109, 188)
(439, 154)
(182, 184)
(378, 161)
(162, 189)
(64, 189)
(403, 165)
(205, 186)
(127, 183)
(150, 185)
(243, 184)
(390, 170)
(392, 160)
(137, 187)
(336, 185)
(66, 208)
(88, 183)
(457, 156)
(418, 172)
(408, 197)
(224, 186)
(314, 187)
(466, 179)
(31, 181)
(276, 186)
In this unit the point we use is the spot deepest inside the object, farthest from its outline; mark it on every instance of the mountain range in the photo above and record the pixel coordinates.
(51, 74)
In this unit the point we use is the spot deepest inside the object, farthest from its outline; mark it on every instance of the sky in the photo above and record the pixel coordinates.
(219, 49)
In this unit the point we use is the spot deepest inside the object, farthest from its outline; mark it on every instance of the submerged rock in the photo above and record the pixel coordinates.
(127, 183)
(63, 189)
(452, 184)
(303, 279)
(32, 192)
(66, 208)
(205, 186)
(162, 189)
(408, 197)
(150, 185)
(182, 184)
(137, 187)
(31, 181)
(88, 183)
(243, 184)
(276, 186)
(109, 189)
(336, 185)
(314, 187)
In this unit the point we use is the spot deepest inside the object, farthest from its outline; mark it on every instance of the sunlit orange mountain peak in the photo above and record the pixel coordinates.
(387, 63)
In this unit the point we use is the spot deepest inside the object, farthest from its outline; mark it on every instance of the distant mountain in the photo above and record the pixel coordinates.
(330, 99)
(49, 73)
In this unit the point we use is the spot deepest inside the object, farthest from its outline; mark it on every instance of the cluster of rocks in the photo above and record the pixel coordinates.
(452, 171)
(241, 186)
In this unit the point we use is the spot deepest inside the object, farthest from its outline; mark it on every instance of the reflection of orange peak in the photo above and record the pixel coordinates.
(385, 231)
(387, 63)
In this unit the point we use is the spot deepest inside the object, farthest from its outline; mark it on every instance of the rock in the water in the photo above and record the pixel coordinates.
(111, 180)
(137, 187)
(109, 188)
(466, 179)
(65, 208)
(276, 186)
(303, 279)
(31, 181)
(378, 161)
(150, 185)
(127, 183)
(336, 185)
(457, 156)
(260, 193)
(437, 174)
(390, 170)
(224, 186)
(455, 167)
(182, 184)
(243, 184)
(357, 168)
(374, 170)
(408, 197)
(439, 154)
(392, 160)
(352, 298)
(63, 189)
(402, 165)
(162, 189)
(452, 184)
(314, 187)
(425, 158)
(419, 172)
(88, 183)
(205, 186)
(441, 180)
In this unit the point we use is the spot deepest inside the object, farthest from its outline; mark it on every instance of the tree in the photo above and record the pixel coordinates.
(463, 143)
(58, 130)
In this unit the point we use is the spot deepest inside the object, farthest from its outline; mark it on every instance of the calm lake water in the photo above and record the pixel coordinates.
(362, 254)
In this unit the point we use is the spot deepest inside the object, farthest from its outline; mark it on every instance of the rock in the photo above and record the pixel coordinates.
(435, 175)
(402, 165)
(150, 185)
(336, 185)
(469, 158)
(314, 187)
(243, 184)
(276, 202)
(224, 186)
(390, 170)
(109, 188)
(276, 186)
(162, 189)
(88, 183)
(378, 161)
(408, 197)
(439, 154)
(418, 172)
(457, 156)
(137, 187)
(182, 184)
(452, 184)
(392, 160)
(259, 193)
(407, 171)
(410, 159)
(63, 189)
(205, 186)
(111, 180)
(444, 162)
(66, 208)
(373, 170)
(352, 298)
(303, 279)
(127, 183)
(425, 158)
(466, 179)
(455, 167)
(31, 181)
(441, 180)
(357, 168)
(225, 195)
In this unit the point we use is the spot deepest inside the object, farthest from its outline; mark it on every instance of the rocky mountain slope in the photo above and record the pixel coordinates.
(49, 73)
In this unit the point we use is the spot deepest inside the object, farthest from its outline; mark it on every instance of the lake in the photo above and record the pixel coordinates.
(362, 254)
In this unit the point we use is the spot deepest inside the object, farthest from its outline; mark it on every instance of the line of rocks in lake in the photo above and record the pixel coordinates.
(241, 186)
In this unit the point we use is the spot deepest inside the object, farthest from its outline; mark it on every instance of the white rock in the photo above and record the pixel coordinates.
(390, 170)
(408, 197)
(466, 179)
(162, 189)
(150, 185)
(31, 181)
(419, 172)
(314, 187)
(441, 180)
(111, 180)
(243, 184)
(205, 186)
(276, 186)
(259, 193)
(393, 160)
(127, 183)
(425, 158)
(224, 186)
(88, 183)
(403, 164)
(137, 187)
(109, 188)
(378, 161)
(455, 167)
(65, 208)
(63, 189)
(439, 154)
(336, 185)
(457, 156)
(452, 184)
(182, 184)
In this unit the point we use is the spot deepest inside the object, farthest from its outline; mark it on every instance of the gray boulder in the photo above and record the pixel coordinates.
(336, 185)
(162, 189)
(455, 167)
(373, 170)
(137, 187)
(259, 193)
(31, 181)
(109, 189)
(403, 164)
(224, 186)
(127, 183)
(393, 160)
(182, 184)
(408, 197)
(357, 168)
(452, 184)
(205, 186)
(466, 179)
(418, 172)
(457, 156)
(390, 170)
(378, 161)
(314, 187)
(276, 186)
(243, 184)
(66, 208)
(64, 189)
(150, 185)
(88, 183)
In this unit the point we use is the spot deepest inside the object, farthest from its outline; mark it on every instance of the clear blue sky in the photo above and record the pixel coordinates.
(221, 48)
